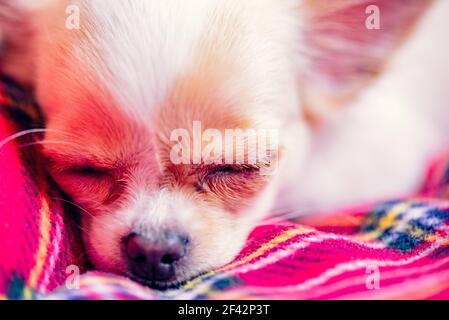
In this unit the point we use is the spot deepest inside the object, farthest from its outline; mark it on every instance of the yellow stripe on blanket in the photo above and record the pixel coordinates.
(44, 240)
(284, 236)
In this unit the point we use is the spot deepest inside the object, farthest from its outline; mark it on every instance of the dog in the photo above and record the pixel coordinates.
(355, 90)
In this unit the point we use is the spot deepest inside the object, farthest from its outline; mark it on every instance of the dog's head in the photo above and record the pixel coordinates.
(166, 120)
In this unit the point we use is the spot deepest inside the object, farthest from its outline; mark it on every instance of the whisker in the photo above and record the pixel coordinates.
(19, 135)
(79, 226)
(87, 252)
(289, 215)
(23, 133)
(46, 142)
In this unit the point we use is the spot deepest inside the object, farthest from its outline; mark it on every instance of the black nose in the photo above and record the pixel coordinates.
(154, 259)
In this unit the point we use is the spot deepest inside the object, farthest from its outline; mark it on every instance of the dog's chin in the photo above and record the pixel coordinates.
(172, 284)
(161, 285)
(184, 275)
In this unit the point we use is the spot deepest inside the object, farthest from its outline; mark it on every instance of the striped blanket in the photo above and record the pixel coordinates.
(393, 250)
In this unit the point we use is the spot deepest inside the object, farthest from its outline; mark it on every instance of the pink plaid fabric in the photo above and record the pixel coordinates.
(36, 242)
(397, 250)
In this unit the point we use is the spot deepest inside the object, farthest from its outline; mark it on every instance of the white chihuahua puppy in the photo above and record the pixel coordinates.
(115, 88)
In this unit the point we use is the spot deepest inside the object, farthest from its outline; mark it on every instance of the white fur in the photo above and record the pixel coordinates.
(379, 147)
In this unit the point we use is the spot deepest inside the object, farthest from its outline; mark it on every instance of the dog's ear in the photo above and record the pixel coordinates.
(16, 38)
(348, 43)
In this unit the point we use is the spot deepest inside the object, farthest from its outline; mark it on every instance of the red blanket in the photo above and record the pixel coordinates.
(397, 249)
(36, 240)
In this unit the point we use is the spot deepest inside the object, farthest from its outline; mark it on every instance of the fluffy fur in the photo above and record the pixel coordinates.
(114, 90)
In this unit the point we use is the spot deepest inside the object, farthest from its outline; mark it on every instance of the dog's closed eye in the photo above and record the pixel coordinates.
(219, 177)
(82, 168)
(84, 179)
(228, 170)
(90, 171)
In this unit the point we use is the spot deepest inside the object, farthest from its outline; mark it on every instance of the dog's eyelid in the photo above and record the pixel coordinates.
(240, 167)
(231, 168)
(86, 166)
(90, 170)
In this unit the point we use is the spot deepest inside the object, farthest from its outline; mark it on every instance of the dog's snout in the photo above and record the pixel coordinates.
(154, 259)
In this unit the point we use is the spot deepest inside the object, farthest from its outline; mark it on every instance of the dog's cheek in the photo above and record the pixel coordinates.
(102, 238)
(233, 194)
(217, 239)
